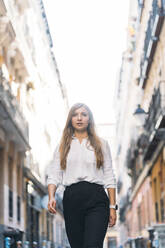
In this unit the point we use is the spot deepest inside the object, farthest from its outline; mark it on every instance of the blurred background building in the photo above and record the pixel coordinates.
(140, 151)
(33, 105)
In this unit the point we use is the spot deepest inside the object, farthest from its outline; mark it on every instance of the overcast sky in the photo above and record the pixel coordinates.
(89, 37)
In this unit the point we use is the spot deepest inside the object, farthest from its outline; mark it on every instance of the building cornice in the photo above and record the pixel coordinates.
(2, 8)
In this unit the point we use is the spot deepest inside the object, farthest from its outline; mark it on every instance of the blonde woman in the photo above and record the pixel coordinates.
(82, 163)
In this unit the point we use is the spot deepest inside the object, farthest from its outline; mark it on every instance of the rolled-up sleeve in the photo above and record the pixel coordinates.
(108, 171)
(54, 171)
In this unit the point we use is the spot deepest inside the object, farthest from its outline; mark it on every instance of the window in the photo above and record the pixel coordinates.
(139, 218)
(10, 184)
(19, 192)
(10, 203)
(10, 174)
(162, 210)
(112, 242)
(156, 202)
(156, 212)
(19, 180)
(148, 207)
(18, 208)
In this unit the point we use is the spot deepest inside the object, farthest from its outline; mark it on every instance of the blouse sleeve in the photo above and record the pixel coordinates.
(109, 175)
(54, 170)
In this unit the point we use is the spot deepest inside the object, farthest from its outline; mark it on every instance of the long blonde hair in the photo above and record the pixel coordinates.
(68, 135)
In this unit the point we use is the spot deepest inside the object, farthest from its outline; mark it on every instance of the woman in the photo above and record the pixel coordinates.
(82, 163)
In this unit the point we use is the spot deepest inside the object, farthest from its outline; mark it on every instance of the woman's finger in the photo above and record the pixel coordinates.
(112, 221)
(52, 210)
(54, 204)
(51, 207)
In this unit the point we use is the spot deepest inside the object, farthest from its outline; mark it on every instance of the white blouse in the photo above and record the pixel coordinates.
(81, 166)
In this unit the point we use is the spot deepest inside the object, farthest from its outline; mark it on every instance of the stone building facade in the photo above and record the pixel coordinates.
(33, 104)
(143, 212)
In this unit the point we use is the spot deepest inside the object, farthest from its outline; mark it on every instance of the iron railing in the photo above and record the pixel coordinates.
(153, 30)
(12, 108)
(154, 127)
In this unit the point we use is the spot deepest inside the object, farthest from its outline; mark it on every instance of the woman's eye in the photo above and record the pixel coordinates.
(84, 114)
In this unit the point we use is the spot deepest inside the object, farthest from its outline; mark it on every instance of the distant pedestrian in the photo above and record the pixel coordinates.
(19, 244)
(83, 164)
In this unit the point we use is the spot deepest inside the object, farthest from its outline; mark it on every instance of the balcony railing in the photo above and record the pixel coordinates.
(154, 111)
(156, 10)
(155, 122)
(132, 153)
(132, 162)
(12, 119)
(154, 134)
(155, 22)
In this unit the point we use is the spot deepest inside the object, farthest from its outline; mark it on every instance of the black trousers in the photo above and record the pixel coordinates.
(86, 214)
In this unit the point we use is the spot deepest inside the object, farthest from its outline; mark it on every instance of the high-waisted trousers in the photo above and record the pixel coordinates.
(86, 214)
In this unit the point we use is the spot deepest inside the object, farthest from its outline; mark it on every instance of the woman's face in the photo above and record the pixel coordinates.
(80, 119)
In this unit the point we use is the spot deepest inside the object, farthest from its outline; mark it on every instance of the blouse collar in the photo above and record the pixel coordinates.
(74, 137)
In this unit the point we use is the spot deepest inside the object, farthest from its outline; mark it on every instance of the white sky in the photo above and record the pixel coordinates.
(89, 37)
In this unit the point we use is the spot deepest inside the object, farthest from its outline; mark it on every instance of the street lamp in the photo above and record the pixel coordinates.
(140, 116)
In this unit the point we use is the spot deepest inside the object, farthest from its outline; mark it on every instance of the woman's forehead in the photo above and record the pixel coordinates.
(81, 109)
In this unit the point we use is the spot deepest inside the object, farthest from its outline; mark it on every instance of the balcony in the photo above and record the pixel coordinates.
(2, 8)
(154, 26)
(140, 9)
(22, 5)
(130, 158)
(154, 126)
(132, 162)
(12, 120)
(142, 149)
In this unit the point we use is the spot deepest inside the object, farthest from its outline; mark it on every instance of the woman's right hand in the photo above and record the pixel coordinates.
(52, 205)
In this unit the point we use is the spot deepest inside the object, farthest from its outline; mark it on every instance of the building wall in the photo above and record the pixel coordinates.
(140, 204)
(1, 181)
(140, 216)
(59, 232)
(10, 151)
(158, 189)
(30, 76)
(41, 89)
(125, 104)
(157, 71)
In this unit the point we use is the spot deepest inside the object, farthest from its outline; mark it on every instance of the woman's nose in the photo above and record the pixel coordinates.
(79, 117)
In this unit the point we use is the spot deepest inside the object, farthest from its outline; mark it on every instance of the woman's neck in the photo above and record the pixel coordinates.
(81, 135)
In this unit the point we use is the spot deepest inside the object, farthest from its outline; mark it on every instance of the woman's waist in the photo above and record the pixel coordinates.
(83, 185)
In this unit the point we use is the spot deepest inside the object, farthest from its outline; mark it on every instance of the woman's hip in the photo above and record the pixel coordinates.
(84, 193)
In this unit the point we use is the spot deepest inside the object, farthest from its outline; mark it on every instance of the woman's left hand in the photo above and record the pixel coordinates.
(112, 217)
